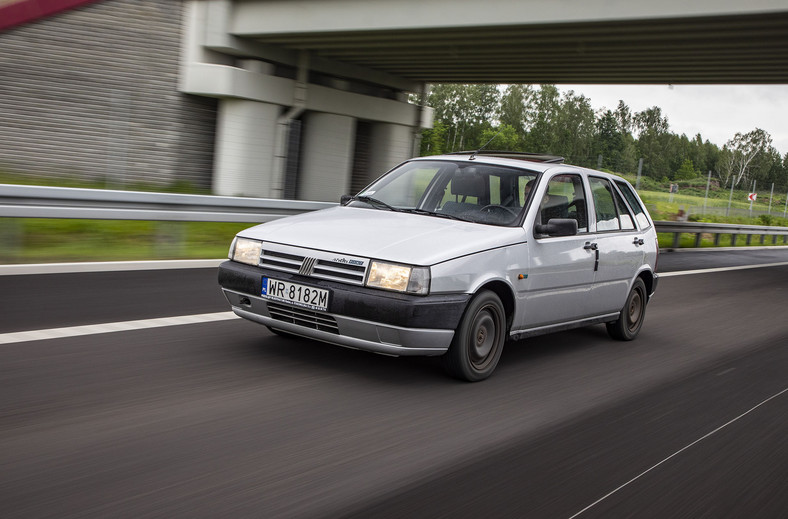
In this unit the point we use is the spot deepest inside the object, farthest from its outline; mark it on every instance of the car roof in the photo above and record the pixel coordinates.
(537, 162)
(533, 165)
(518, 155)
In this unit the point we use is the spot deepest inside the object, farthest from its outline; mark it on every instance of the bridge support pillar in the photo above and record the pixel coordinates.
(390, 144)
(326, 156)
(245, 137)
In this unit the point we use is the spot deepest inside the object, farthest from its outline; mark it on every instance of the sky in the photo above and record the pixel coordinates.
(717, 112)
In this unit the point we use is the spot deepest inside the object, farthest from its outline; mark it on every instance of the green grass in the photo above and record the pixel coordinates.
(666, 208)
(707, 240)
(68, 181)
(40, 240)
(36, 240)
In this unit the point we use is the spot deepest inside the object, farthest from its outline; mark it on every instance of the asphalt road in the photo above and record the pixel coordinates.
(225, 419)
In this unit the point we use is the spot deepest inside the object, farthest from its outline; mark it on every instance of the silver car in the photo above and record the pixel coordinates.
(452, 256)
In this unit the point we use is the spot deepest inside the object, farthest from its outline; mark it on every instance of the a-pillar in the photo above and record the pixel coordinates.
(326, 156)
(246, 133)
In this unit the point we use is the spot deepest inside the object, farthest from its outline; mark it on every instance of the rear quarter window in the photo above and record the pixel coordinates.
(634, 203)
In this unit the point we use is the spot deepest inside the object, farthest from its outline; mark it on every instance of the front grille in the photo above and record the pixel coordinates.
(281, 261)
(312, 266)
(303, 317)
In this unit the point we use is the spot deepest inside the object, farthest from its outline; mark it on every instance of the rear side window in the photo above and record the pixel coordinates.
(634, 203)
(612, 213)
(624, 217)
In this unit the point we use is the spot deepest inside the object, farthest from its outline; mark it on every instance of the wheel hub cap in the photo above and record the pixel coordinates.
(484, 336)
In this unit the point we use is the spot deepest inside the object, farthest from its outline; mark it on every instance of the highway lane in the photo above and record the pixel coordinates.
(227, 419)
(655, 455)
(34, 302)
(39, 301)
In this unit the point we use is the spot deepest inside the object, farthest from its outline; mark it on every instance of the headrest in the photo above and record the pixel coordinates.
(470, 185)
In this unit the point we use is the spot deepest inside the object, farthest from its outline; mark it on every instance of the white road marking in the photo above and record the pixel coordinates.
(120, 266)
(721, 427)
(720, 269)
(123, 326)
(105, 266)
(114, 266)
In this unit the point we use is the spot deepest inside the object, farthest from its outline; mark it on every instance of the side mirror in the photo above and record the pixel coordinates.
(345, 199)
(558, 227)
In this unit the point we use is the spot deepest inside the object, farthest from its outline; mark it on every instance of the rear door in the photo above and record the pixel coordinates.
(620, 246)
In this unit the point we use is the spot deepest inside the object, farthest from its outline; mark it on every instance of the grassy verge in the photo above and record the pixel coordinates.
(37, 240)
(34, 240)
(707, 241)
(67, 181)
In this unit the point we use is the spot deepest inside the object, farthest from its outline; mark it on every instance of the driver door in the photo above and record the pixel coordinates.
(561, 273)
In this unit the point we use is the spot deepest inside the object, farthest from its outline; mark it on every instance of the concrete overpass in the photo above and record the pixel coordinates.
(339, 71)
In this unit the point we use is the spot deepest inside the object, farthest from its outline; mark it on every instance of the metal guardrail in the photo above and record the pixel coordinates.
(720, 229)
(99, 204)
(59, 202)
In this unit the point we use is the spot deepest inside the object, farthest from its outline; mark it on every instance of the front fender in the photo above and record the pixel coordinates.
(467, 274)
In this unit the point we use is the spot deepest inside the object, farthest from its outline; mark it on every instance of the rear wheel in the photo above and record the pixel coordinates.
(632, 315)
(479, 339)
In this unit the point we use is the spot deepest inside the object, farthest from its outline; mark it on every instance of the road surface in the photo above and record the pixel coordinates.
(222, 418)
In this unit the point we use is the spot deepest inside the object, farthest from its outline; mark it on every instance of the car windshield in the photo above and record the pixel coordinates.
(479, 193)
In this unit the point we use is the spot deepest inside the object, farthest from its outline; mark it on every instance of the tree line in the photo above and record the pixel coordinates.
(541, 119)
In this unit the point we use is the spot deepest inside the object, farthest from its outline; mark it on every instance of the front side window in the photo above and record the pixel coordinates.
(472, 192)
(565, 198)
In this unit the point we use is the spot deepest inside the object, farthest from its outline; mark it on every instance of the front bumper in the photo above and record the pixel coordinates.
(357, 317)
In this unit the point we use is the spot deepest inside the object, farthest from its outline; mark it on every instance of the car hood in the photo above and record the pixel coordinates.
(386, 235)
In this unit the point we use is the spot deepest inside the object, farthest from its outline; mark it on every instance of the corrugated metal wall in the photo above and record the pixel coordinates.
(91, 93)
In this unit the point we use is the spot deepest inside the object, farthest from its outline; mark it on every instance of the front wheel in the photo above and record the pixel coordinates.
(632, 315)
(478, 341)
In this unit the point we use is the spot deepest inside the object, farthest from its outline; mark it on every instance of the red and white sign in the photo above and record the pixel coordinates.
(752, 196)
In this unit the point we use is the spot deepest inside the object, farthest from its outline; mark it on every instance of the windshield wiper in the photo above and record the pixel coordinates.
(433, 213)
(380, 203)
(375, 202)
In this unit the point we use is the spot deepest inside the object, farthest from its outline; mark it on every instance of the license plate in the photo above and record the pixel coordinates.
(295, 294)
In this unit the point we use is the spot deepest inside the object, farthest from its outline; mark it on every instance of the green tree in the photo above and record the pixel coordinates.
(433, 140)
(651, 120)
(503, 137)
(609, 141)
(654, 143)
(687, 171)
(541, 117)
(512, 110)
(575, 124)
(704, 154)
(623, 115)
(743, 149)
(767, 168)
(466, 110)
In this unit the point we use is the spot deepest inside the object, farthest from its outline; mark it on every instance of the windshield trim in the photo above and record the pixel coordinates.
(434, 192)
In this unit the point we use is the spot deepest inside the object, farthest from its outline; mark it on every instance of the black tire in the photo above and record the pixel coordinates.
(479, 339)
(633, 314)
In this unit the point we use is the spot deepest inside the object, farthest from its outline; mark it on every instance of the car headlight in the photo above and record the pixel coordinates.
(400, 278)
(246, 251)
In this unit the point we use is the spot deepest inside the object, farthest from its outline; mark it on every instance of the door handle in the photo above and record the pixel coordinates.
(594, 247)
(638, 241)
